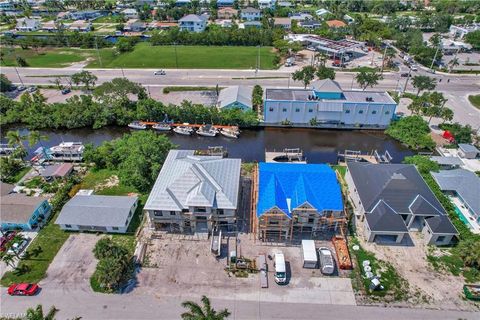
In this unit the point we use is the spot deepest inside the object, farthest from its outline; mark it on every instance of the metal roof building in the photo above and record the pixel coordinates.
(97, 213)
(235, 97)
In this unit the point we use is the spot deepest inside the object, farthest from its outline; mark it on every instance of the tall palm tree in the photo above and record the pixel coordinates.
(35, 137)
(205, 312)
(15, 139)
(9, 259)
(453, 63)
(37, 313)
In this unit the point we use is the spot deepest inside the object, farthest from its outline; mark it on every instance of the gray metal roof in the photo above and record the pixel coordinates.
(468, 148)
(384, 218)
(452, 161)
(241, 94)
(327, 85)
(288, 94)
(361, 96)
(187, 180)
(465, 183)
(348, 96)
(96, 210)
(441, 224)
(192, 18)
(17, 207)
(398, 185)
(250, 10)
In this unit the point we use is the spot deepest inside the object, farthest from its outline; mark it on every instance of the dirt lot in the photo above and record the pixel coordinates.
(444, 291)
(182, 264)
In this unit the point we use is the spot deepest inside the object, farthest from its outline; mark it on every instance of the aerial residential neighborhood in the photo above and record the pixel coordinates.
(227, 159)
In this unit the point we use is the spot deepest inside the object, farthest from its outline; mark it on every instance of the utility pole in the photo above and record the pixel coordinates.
(383, 58)
(176, 57)
(434, 58)
(406, 81)
(123, 73)
(18, 74)
(98, 53)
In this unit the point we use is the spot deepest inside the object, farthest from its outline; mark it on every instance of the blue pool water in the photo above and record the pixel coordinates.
(461, 216)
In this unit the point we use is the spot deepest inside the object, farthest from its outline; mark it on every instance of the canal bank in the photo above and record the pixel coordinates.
(319, 145)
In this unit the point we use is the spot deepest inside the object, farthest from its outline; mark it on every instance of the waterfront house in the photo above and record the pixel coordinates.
(310, 24)
(391, 200)
(19, 211)
(327, 104)
(50, 26)
(463, 188)
(266, 4)
(193, 23)
(285, 23)
(85, 15)
(194, 193)
(225, 3)
(27, 24)
(250, 14)
(467, 151)
(80, 26)
(97, 213)
(297, 201)
(134, 25)
(447, 163)
(130, 13)
(56, 171)
(227, 13)
(301, 16)
(322, 12)
(235, 97)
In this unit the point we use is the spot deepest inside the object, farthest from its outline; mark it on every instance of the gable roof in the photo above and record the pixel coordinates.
(193, 18)
(441, 224)
(465, 183)
(452, 161)
(96, 210)
(17, 207)
(241, 94)
(327, 85)
(336, 24)
(384, 218)
(465, 147)
(290, 185)
(397, 184)
(250, 10)
(57, 170)
(187, 180)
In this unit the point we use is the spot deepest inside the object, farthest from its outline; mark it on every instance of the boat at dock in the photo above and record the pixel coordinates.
(230, 132)
(183, 130)
(65, 151)
(137, 125)
(161, 126)
(207, 131)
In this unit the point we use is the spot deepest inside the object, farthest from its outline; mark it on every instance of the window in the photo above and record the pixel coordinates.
(360, 111)
(172, 213)
(273, 222)
(310, 220)
(184, 210)
(347, 111)
(284, 109)
(69, 226)
(220, 211)
(440, 238)
(114, 228)
(201, 210)
(297, 110)
(387, 112)
(374, 112)
(270, 109)
(310, 110)
(157, 213)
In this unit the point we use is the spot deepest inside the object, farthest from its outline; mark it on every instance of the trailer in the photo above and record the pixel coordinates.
(216, 243)
(310, 260)
(263, 267)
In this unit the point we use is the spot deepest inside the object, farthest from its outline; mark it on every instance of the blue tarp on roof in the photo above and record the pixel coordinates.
(289, 185)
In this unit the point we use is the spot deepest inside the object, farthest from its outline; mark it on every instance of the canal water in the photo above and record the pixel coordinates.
(318, 145)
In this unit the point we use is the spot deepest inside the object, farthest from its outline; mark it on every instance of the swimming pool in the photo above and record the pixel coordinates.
(462, 217)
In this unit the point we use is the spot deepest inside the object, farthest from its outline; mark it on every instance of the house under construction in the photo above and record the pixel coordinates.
(296, 201)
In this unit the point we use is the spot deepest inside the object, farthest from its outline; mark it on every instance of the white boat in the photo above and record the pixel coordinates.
(137, 125)
(184, 130)
(207, 131)
(230, 133)
(66, 151)
(162, 126)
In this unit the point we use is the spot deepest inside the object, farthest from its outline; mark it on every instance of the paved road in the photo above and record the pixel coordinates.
(131, 306)
(456, 90)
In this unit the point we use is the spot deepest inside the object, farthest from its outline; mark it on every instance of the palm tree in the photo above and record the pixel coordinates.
(37, 313)
(35, 137)
(205, 312)
(368, 79)
(9, 259)
(453, 63)
(15, 139)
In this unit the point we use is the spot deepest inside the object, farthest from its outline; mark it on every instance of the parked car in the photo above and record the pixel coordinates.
(21, 88)
(66, 91)
(32, 89)
(280, 269)
(160, 73)
(405, 75)
(413, 67)
(23, 289)
(18, 247)
(327, 264)
(6, 238)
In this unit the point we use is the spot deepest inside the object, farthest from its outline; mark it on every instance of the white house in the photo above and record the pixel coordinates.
(250, 14)
(193, 23)
(266, 4)
(130, 13)
(27, 24)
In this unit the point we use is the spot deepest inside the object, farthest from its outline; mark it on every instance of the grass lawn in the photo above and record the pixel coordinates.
(475, 100)
(199, 57)
(48, 58)
(19, 175)
(48, 241)
(167, 90)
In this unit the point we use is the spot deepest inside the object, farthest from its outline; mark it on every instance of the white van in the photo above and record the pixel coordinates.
(280, 269)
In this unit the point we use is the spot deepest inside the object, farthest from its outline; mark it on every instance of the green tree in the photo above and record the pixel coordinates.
(15, 139)
(413, 131)
(257, 97)
(469, 251)
(368, 78)
(423, 164)
(305, 75)
(473, 38)
(37, 313)
(446, 114)
(422, 83)
(86, 78)
(35, 137)
(9, 166)
(453, 63)
(125, 45)
(21, 62)
(5, 84)
(118, 91)
(9, 259)
(324, 72)
(203, 312)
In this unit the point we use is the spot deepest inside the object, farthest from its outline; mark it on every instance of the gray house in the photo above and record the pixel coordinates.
(392, 200)
(27, 24)
(467, 151)
(97, 213)
(447, 163)
(194, 193)
(235, 97)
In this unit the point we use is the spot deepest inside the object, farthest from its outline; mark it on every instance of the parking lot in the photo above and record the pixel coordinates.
(180, 264)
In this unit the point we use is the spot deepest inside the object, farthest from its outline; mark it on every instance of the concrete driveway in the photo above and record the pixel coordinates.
(73, 265)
